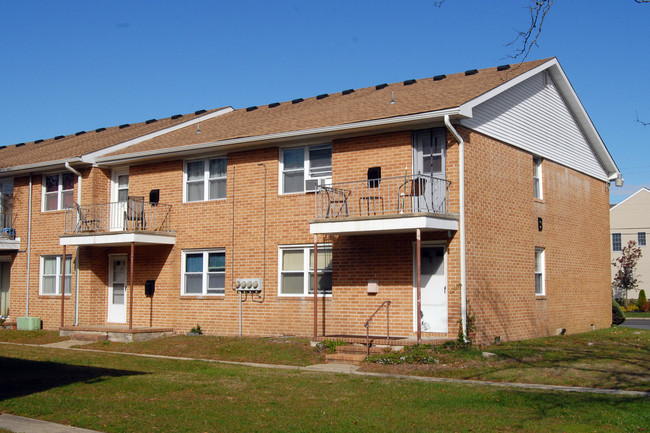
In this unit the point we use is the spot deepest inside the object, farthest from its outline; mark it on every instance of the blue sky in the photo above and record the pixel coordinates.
(79, 65)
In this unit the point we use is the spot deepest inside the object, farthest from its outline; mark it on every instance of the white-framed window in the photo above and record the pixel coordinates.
(537, 177)
(297, 270)
(205, 179)
(641, 239)
(540, 278)
(58, 191)
(204, 272)
(301, 168)
(616, 242)
(50, 281)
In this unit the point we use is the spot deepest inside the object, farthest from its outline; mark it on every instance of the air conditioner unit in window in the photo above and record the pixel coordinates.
(311, 184)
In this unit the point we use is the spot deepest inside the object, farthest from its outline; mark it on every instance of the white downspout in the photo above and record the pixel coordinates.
(29, 241)
(461, 187)
(76, 279)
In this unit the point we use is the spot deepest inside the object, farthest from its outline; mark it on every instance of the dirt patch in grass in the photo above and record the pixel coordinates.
(617, 358)
(30, 337)
(288, 351)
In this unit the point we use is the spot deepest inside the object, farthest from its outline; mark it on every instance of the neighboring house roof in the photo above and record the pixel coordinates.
(631, 197)
(42, 153)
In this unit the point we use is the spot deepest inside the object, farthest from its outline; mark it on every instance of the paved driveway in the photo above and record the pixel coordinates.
(637, 323)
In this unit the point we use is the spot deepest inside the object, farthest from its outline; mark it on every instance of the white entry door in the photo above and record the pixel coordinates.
(119, 198)
(117, 289)
(433, 314)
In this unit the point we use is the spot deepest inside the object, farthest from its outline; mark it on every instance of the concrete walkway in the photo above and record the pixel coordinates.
(21, 424)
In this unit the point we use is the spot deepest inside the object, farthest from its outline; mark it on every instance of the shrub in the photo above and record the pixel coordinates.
(418, 354)
(630, 308)
(642, 300)
(646, 307)
(618, 316)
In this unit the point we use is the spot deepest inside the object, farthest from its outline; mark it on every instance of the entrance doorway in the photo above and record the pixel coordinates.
(117, 289)
(433, 314)
(5, 269)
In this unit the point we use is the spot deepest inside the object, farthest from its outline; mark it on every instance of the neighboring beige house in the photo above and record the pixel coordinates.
(630, 221)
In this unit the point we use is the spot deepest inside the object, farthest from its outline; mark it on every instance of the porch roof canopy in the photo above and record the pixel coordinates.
(387, 224)
(119, 239)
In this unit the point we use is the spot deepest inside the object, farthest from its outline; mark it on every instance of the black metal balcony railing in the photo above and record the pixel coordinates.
(7, 229)
(384, 196)
(131, 215)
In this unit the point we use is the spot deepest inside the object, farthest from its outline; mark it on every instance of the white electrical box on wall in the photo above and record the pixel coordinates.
(248, 285)
(373, 287)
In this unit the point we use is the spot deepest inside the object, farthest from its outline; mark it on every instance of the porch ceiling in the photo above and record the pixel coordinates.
(9, 244)
(119, 239)
(379, 225)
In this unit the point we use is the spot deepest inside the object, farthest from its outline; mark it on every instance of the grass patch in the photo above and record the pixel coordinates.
(616, 358)
(117, 393)
(279, 350)
(30, 337)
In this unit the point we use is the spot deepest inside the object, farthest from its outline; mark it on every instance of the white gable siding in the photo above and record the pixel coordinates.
(532, 115)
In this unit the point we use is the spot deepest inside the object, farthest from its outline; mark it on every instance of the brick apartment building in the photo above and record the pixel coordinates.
(484, 191)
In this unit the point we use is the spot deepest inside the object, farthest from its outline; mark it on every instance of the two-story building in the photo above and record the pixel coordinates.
(484, 191)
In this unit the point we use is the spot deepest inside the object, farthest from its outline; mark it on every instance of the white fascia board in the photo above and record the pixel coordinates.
(283, 136)
(384, 225)
(571, 98)
(90, 157)
(627, 198)
(39, 166)
(118, 239)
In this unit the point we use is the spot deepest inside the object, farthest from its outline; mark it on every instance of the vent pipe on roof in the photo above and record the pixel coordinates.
(461, 188)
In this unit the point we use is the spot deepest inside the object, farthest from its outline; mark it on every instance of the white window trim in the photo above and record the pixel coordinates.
(306, 248)
(645, 239)
(620, 236)
(306, 168)
(59, 205)
(205, 253)
(206, 179)
(57, 276)
(542, 258)
(539, 176)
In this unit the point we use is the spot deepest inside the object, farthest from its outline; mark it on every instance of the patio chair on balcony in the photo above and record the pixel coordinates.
(373, 193)
(411, 189)
(337, 201)
(135, 212)
(86, 222)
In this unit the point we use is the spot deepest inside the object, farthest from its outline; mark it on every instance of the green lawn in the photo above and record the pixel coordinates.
(118, 393)
(616, 358)
(30, 337)
(635, 314)
(288, 351)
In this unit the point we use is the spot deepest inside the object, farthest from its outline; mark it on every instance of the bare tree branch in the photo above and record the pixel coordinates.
(637, 114)
(525, 40)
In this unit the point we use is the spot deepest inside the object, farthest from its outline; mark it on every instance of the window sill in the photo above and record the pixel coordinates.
(541, 298)
(216, 200)
(302, 297)
(203, 297)
(53, 296)
(539, 200)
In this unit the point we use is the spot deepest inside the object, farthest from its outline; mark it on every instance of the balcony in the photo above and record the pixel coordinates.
(384, 205)
(118, 223)
(8, 241)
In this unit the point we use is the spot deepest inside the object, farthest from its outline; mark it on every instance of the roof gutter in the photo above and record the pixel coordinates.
(39, 166)
(287, 135)
(461, 187)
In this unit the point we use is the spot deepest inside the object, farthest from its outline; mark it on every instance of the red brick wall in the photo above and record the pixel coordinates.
(502, 233)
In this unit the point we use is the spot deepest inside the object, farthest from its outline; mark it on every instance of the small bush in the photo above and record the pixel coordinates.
(630, 308)
(642, 300)
(646, 307)
(618, 316)
(196, 330)
(418, 354)
(330, 346)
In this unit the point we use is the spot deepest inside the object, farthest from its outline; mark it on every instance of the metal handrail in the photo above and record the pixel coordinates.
(132, 215)
(372, 316)
(419, 193)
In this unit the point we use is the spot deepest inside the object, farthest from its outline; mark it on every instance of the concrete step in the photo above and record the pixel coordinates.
(88, 336)
(346, 358)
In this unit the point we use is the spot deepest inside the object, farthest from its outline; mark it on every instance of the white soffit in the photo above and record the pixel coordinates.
(118, 239)
(384, 225)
